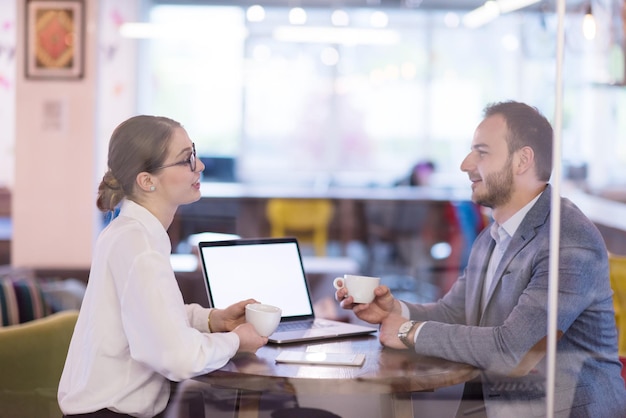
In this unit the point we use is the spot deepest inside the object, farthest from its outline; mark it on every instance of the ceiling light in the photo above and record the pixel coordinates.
(481, 15)
(142, 30)
(340, 36)
(379, 19)
(589, 25)
(492, 9)
(451, 20)
(340, 18)
(297, 16)
(507, 6)
(255, 13)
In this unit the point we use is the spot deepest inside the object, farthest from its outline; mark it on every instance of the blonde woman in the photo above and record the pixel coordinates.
(134, 333)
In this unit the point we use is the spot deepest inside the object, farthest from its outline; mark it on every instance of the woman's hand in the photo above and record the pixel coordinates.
(374, 312)
(224, 320)
(249, 340)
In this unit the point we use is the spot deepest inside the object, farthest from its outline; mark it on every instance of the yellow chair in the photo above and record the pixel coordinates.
(617, 268)
(307, 219)
(32, 356)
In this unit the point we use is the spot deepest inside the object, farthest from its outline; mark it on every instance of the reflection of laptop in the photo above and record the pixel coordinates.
(270, 271)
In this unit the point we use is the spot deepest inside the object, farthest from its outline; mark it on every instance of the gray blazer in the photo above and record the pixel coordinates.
(588, 381)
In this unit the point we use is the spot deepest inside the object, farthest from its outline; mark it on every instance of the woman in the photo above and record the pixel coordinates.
(134, 332)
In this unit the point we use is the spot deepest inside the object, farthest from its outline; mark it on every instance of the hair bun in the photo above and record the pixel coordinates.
(110, 181)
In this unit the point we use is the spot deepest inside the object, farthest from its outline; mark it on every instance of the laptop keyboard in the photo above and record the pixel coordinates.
(298, 325)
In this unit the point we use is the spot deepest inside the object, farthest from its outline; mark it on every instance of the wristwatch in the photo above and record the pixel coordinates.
(404, 331)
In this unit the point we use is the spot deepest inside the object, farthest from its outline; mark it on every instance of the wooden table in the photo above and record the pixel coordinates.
(386, 371)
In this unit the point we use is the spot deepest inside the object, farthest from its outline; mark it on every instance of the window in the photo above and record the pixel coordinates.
(357, 104)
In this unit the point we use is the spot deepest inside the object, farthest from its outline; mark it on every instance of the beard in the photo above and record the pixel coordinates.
(498, 187)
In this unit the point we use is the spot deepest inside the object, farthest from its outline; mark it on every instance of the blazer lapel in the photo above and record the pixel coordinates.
(536, 217)
(515, 246)
(476, 273)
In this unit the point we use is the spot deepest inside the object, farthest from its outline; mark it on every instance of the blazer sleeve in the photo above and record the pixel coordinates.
(516, 319)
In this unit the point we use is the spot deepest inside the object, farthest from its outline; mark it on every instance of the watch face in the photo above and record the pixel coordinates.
(405, 327)
(403, 332)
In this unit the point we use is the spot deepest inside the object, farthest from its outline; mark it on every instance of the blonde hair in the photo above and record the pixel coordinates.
(138, 144)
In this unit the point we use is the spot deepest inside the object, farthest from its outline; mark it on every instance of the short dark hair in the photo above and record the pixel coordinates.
(527, 127)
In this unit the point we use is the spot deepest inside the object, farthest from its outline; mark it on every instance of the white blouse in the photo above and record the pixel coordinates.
(134, 331)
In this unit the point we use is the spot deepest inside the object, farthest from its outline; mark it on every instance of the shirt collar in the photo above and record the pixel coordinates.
(148, 220)
(511, 224)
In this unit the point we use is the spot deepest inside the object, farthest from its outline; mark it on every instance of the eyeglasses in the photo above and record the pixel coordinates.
(191, 160)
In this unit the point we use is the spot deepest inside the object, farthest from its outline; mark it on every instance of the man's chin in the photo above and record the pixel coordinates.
(480, 200)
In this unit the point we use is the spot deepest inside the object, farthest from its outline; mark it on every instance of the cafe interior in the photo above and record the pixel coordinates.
(340, 122)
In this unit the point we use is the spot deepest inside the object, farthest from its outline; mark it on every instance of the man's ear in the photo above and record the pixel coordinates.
(525, 160)
(145, 181)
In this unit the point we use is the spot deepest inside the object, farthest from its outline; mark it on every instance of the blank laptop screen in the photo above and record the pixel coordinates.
(270, 272)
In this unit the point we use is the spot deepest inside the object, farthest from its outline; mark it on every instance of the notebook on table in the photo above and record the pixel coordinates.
(269, 270)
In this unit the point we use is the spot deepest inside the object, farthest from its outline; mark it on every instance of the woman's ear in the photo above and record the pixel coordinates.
(146, 182)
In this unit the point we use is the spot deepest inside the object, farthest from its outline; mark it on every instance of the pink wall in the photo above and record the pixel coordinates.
(7, 91)
(61, 133)
(53, 211)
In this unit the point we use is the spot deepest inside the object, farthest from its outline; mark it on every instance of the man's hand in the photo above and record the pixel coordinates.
(374, 312)
(388, 334)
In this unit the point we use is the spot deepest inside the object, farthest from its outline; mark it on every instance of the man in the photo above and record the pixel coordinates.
(495, 315)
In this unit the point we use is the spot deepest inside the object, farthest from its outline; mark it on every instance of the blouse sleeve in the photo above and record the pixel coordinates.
(162, 332)
(198, 317)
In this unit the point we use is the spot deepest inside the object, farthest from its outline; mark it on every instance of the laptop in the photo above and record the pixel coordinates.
(269, 270)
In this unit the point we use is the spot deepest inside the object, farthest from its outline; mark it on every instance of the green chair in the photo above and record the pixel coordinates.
(32, 356)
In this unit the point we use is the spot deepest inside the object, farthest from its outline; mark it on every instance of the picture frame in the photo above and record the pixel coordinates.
(55, 39)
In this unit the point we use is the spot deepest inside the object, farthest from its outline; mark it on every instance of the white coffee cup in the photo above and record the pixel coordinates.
(264, 318)
(361, 288)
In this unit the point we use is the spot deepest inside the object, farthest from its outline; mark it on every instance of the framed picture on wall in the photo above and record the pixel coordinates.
(54, 39)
